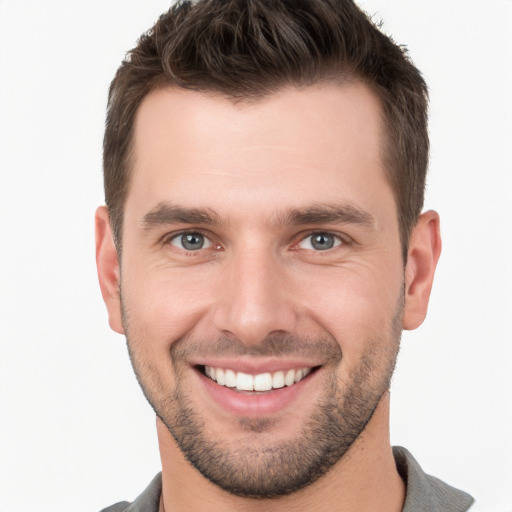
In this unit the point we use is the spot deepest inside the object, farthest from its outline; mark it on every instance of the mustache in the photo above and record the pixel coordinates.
(276, 344)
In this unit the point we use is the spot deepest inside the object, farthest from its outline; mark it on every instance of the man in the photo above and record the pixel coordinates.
(262, 248)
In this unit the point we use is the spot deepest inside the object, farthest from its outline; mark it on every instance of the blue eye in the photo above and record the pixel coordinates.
(191, 241)
(320, 241)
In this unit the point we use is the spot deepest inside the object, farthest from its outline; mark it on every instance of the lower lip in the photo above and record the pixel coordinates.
(257, 404)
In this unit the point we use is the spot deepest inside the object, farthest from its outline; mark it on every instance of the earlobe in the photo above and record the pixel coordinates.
(423, 254)
(107, 263)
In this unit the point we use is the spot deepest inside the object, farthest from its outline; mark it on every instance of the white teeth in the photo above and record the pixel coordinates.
(263, 382)
(289, 378)
(230, 378)
(278, 380)
(244, 382)
(219, 373)
(260, 382)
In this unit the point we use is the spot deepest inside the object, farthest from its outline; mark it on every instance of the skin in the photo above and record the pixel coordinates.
(254, 168)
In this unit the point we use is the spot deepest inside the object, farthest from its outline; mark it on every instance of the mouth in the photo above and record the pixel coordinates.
(262, 389)
(261, 382)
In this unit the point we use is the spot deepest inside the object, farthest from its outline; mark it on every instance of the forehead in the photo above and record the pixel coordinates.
(320, 143)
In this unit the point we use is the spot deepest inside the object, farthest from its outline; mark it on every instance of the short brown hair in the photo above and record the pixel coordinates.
(249, 49)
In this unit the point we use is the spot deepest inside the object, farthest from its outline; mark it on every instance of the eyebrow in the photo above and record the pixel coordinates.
(325, 213)
(167, 213)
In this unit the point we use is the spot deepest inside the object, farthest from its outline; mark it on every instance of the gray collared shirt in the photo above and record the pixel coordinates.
(425, 493)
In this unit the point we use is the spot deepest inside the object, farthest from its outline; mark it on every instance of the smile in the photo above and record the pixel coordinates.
(261, 382)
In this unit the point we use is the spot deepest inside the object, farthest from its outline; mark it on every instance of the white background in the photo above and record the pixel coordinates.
(76, 433)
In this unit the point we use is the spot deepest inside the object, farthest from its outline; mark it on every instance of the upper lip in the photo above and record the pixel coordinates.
(255, 365)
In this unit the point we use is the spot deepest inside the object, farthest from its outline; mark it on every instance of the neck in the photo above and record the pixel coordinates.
(364, 479)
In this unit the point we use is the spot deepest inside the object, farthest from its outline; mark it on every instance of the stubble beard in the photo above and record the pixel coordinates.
(272, 469)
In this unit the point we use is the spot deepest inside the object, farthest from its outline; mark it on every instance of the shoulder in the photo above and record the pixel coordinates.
(148, 501)
(426, 493)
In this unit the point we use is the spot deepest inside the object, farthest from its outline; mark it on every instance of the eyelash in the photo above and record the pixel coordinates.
(168, 240)
(338, 241)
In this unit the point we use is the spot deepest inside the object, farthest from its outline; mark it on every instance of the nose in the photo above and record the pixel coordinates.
(255, 299)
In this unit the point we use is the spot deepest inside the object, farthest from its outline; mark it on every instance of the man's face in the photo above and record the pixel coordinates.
(260, 240)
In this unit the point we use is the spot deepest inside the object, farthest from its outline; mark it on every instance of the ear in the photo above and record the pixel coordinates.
(107, 263)
(424, 251)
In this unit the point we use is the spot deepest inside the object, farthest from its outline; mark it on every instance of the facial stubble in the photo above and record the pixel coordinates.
(272, 469)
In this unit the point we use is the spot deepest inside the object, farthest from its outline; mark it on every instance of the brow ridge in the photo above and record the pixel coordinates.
(167, 213)
(325, 213)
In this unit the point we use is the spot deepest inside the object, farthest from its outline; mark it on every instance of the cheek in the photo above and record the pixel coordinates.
(163, 304)
(356, 306)
(160, 308)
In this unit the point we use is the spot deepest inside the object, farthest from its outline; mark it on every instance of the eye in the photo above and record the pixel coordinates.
(191, 241)
(321, 241)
